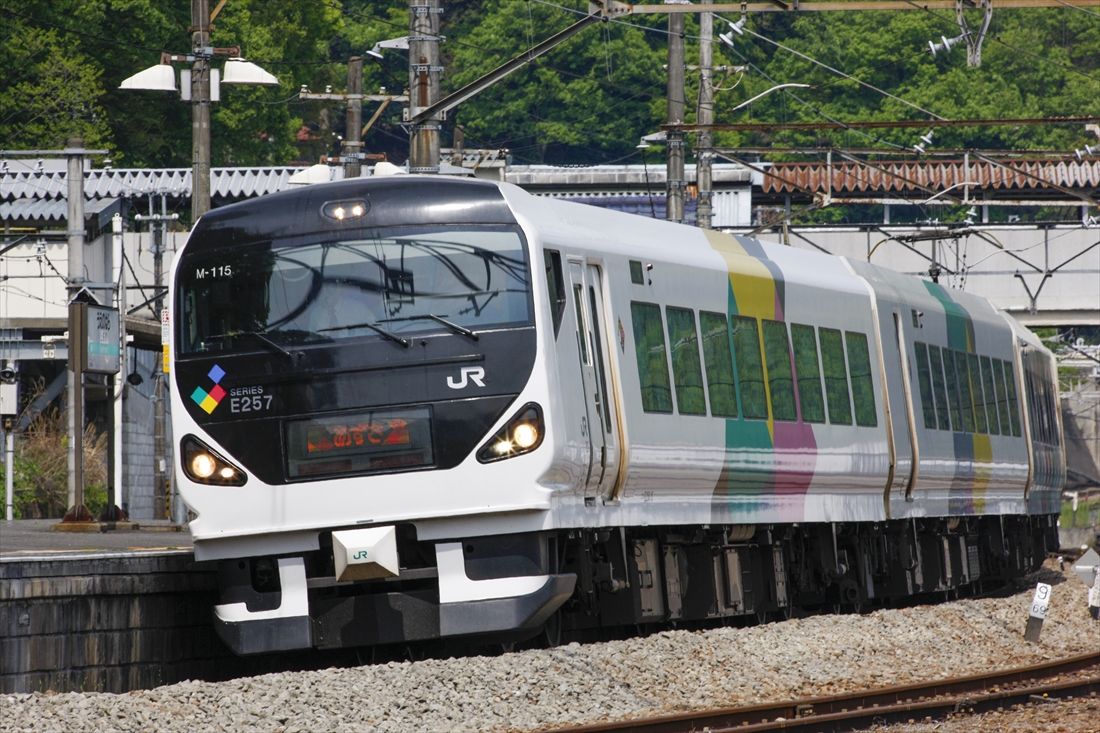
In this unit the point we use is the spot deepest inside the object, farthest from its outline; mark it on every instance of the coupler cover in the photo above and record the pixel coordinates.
(365, 554)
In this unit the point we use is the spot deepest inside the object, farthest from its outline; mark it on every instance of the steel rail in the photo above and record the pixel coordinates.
(858, 709)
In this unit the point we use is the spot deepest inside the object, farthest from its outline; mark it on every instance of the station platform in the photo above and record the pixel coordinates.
(39, 538)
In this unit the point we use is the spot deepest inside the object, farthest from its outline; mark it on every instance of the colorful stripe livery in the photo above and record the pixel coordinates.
(973, 451)
(209, 401)
(757, 289)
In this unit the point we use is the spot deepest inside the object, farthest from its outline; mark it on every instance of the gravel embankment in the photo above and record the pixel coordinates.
(667, 672)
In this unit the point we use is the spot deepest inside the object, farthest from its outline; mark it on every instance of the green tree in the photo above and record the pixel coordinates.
(50, 89)
(587, 100)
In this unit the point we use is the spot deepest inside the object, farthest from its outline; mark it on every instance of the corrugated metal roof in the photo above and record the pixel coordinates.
(884, 177)
(39, 210)
(122, 182)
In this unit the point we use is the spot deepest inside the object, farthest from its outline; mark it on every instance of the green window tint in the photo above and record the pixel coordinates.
(750, 371)
(924, 379)
(649, 344)
(836, 376)
(863, 387)
(964, 391)
(777, 355)
(1002, 396)
(938, 389)
(954, 401)
(980, 423)
(809, 373)
(1013, 405)
(686, 372)
(636, 273)
(990, 395)
(719, 364)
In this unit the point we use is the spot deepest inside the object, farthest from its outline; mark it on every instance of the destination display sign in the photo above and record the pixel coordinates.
(101, 344)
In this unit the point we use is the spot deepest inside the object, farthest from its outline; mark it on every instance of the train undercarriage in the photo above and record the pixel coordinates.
(593, 580)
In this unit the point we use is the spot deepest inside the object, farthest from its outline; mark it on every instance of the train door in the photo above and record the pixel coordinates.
(908, 419)
(600, 424)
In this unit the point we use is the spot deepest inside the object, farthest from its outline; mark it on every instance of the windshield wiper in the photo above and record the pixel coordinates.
(378, 330)
(260, 336)
(441, 320)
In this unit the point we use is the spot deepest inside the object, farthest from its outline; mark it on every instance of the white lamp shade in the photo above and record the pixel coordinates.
(239, 71)
(159, 78)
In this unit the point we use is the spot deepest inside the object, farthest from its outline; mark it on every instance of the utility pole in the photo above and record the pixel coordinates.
(159, 227)
(674, 186)
(351, 151)
(200, 109)
(74, 154)
(424, 72)
(353, 144)
(704, 157)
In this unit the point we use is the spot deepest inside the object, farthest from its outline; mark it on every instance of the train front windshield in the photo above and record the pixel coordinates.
(392, 285)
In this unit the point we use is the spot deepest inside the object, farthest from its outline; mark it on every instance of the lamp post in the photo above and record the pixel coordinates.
(200, 84)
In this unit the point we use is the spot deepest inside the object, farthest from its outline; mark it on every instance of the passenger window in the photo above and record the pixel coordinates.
(954, 400)
(808, 372)
(863, 387)
(924, 378)
(981, 425)
(990, 396)
(750, 371)
(1002, 396)
(836, 376)
(965, 396)
(555, 288)
(1013, 404)
(686, 372)
(777, 355)
(936, 363)
(719, 364)
(649, 345)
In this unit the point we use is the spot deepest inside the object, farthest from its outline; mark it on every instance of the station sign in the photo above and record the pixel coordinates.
(98, 334)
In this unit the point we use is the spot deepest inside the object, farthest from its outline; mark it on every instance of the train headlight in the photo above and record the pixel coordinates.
(204, 465)
(525, 435)
(345, 210)
(522, 434)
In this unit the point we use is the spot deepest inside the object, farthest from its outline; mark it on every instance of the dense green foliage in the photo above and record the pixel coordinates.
(587, 101)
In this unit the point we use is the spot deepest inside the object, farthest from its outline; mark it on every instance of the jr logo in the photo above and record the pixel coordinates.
(467, 375)
(361, 555)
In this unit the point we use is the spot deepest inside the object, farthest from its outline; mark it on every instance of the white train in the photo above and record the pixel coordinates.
(418, 407)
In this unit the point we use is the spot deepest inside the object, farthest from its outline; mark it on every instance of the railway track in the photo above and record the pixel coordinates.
(1070, 677)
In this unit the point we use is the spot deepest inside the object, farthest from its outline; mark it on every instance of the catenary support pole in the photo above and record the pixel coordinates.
(424, 71)
(674, 186)
(353, 144)
(200, 109)
(704, 157)
(75, 418)
(160, 455)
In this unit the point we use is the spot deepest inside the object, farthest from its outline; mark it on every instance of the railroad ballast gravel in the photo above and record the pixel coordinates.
(667, 672)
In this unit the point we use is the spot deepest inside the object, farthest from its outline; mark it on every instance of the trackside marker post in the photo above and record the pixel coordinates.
(1039, 605)
(1088, 570)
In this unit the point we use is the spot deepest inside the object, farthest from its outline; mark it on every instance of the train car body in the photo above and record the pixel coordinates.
(417, 407)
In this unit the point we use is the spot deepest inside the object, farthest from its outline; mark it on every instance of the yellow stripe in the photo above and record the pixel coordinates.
(983, 470)
(753, 289)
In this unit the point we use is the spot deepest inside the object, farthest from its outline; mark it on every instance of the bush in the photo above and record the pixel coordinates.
(42, 468)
